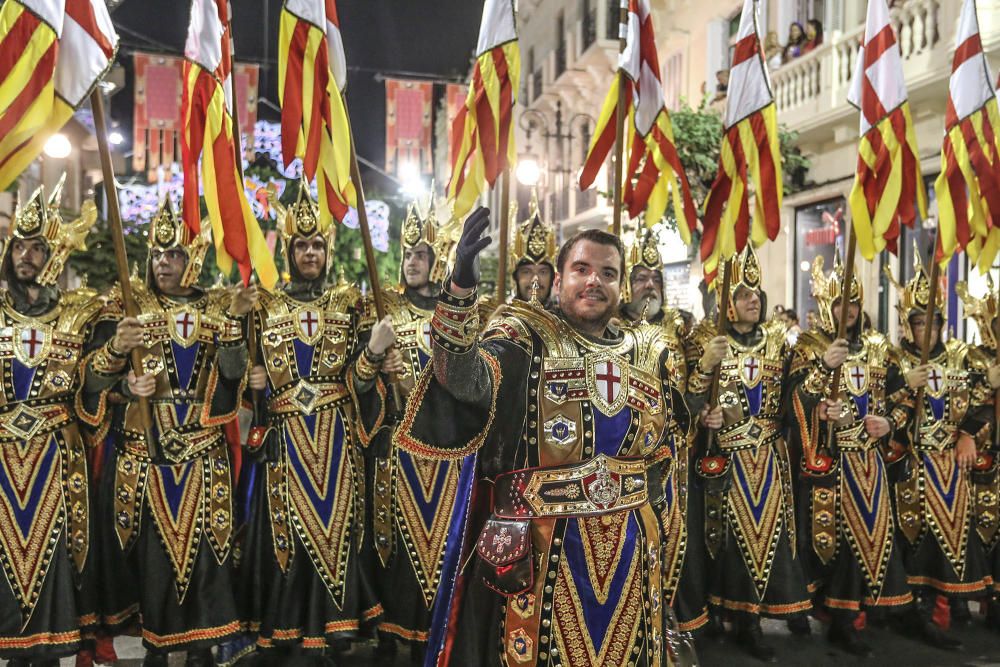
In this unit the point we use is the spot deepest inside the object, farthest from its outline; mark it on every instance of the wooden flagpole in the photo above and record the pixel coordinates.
(845, 298)
(620, 119)
(721, 325)
(925, 345)
(501, 290)
(121, 256)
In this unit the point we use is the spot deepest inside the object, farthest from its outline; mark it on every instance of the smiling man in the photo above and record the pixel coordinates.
(166, 505)
(569, 418)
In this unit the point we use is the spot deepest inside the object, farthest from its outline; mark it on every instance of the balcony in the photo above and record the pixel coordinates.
(811, 91)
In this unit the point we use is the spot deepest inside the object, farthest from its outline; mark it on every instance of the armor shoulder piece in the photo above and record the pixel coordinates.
(344, 296)
(650, 342)
(878, 348)
(80, 307)
(217, 300)
(776, 343)
(705, 331)
(956, 352)
(547, 326)
(980, 358)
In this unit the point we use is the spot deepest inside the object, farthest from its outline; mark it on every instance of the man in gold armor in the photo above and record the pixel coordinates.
(322, 398)
(935, 442)
(986, 469)
(847, 532)
(47, 606)
(533, 257)
(414, 498)
(749, 510)
(643, 301)
(166, 504)
(567, 419)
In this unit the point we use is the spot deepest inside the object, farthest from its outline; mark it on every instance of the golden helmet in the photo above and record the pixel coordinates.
(300, 218)
(745, 272)
(983, 310)
(167, 231)
(915, 296)
(534, 240)
(426, 228)
(826, 290)
(39, 218)
(644, 251)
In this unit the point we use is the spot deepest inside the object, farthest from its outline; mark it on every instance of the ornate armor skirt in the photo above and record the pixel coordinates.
(301, 568)
(165, 542)
(936, 522)
(48, 605)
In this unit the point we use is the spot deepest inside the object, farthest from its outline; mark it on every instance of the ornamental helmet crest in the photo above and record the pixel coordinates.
(40, 219)
(826, 290)
(167, 231)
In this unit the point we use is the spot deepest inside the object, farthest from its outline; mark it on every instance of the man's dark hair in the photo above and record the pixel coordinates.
(791, 315)
(598, 236)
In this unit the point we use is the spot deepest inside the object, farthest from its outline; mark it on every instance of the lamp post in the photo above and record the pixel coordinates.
(556, 133)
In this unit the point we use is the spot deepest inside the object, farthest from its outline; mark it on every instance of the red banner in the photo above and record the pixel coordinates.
(408, 124)
(159, 86)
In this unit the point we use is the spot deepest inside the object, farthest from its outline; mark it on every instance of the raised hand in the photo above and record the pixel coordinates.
(466, 272)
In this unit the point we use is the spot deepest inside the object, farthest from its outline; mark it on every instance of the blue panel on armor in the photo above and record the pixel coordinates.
(182, 412)
(184, 358)
(754, 397)
(609, 432)
(23, 377)
(422, 359)
(598, 616)
(25, 509)
(322, 504)
(937, 406)
(867, 507)
(948, 495)
(756, 507)
(304, 358)
(862, 403)
(428, 507)
(173, 486)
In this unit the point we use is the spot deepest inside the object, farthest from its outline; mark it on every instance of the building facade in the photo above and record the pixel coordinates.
(569, 50)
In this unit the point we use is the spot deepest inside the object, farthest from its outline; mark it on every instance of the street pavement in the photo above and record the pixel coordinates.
(982, 648)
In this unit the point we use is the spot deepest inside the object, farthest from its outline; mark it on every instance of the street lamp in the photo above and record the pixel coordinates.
(412, 183)
(528, 171)
(58, 146)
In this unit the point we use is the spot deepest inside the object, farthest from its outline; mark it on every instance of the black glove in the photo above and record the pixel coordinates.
(466, 272)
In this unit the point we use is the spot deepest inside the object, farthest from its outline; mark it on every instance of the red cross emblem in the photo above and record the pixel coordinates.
(426, 333)
(184, 325)
(751, 370)
(935, 381)
(309, 323)
(609, 377)
(32, 341)
(858, 377)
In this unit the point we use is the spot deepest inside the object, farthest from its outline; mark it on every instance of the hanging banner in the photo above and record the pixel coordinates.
(408, 125)
(455, 94)
(159, 87)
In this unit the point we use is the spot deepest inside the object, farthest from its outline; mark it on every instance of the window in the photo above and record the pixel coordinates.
(816, 234)
(588, 18)
(560, 44)
(673, 79)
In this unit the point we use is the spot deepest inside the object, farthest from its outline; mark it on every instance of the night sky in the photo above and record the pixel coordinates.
(431, 37)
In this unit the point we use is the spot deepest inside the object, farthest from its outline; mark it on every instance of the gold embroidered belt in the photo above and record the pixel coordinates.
(748, 434)
(176, 445)
(304, 397)
(854, 438)
(936, 436)
(600, 485)
(23, 420)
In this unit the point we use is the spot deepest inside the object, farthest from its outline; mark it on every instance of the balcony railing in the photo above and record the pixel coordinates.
(809, 88)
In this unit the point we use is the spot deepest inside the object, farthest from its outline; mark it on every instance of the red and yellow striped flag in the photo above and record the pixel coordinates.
(312, 74)
(54, 53)
(888, 178)
(482, 142)
(206, 110)
(750, 151)
(654, 173)
(968, 188)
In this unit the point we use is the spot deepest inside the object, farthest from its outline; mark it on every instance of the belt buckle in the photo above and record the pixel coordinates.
(602, 488)
(304, 397)
(24, 422)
